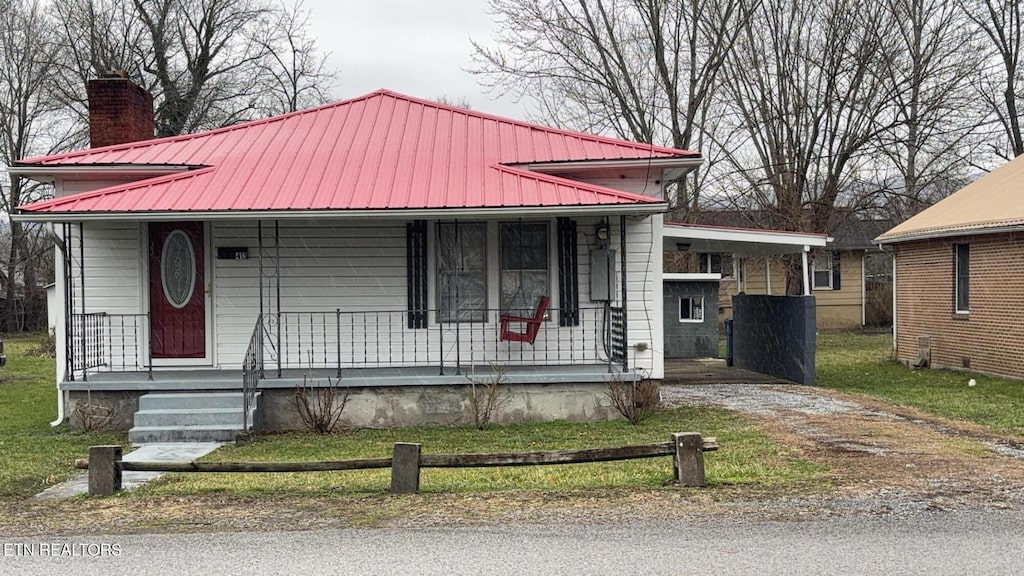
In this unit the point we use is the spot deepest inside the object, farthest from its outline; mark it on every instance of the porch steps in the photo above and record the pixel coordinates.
(189, 417)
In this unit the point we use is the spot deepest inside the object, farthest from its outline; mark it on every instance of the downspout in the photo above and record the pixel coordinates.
(895, 346)
(863, 291)
(59, 243)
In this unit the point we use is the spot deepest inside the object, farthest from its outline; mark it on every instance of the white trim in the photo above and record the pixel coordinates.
(863, 291)
(660, 162)
(928, 235)
(895, 345)
(49, 173)
(692, 276)
(389, 214)
(807, 281)
(815, 270)
(741, 242)
(691, 320)
(656, 262)
(768, 275)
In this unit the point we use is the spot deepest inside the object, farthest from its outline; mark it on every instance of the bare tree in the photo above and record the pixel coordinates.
(208, 63)
(1001, 22)
(646, 70)
(459, 102)
(31, 123)
(806, 93)
(931, 146)
(294, 73)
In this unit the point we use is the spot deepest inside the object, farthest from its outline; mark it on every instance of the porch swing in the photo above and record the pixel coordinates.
(526, 327)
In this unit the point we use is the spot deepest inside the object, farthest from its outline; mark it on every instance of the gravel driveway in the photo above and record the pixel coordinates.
(891, 453)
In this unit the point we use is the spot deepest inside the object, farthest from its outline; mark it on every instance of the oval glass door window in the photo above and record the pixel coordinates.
(178, 269)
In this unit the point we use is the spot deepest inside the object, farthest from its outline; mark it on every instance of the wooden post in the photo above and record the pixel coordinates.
(688, 462)
(405, 468)
(104, 470)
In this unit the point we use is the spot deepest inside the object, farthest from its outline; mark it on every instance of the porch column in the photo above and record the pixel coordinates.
(768, 275)
(807, 280)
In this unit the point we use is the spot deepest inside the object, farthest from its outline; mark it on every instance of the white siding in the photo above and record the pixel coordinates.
(649, 186)
(324, 266)
(113, 269)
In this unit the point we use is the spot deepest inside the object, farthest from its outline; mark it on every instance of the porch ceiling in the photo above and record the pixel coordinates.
(743, 242)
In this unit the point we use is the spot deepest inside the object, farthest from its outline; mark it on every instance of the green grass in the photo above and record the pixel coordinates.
(32, 454)
(862, 363)
(746, 457)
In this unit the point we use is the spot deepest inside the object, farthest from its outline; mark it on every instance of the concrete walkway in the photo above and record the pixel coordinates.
(160, 452)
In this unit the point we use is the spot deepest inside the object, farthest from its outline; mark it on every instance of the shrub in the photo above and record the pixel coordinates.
(636, 399)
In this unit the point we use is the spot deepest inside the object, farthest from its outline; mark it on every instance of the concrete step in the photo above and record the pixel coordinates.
(186, 400)
(190, 417)
(151, 434)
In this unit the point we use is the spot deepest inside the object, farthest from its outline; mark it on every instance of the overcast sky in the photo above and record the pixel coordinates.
(417, 47)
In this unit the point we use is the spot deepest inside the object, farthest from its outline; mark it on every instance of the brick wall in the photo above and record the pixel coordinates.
(119, 112)
(990, 338)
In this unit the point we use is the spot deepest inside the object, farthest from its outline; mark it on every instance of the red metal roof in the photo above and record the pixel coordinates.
(380, 151)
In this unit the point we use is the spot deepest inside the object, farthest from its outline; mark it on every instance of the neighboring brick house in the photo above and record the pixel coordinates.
(960, 276)
(850, 280)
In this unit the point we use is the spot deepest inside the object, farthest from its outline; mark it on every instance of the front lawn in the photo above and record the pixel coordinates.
(32, 454)
(862, 363)
(747, 457)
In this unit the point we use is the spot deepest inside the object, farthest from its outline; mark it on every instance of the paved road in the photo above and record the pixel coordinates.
(933, 543)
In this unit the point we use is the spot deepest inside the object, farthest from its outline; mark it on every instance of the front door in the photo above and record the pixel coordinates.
(177, 298)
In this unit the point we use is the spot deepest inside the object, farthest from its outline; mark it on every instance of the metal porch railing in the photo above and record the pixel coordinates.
(338, 340)
(102, 342)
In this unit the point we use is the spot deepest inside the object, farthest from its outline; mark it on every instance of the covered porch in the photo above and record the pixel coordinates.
(358, 306)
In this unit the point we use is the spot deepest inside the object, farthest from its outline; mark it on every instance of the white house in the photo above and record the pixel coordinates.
(373, 244)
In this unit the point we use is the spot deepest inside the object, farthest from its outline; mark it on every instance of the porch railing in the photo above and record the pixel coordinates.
(337, 340)
(102, 342)
(252, 371)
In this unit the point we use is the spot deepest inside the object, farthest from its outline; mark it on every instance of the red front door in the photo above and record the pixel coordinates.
(177, 298)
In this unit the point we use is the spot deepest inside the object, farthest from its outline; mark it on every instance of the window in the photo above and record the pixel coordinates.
(825, 273)
(462, 271)
(691, 309)
(821, 278)
(525, 276)
(963, 278)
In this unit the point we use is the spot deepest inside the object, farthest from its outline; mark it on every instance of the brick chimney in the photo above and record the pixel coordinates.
(119, 110)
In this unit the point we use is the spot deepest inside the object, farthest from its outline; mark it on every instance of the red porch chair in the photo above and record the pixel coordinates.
(530, 325)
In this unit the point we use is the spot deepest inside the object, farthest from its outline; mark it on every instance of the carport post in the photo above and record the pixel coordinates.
(807, 280)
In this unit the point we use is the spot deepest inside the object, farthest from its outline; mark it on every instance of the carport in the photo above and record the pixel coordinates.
(773, 335)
